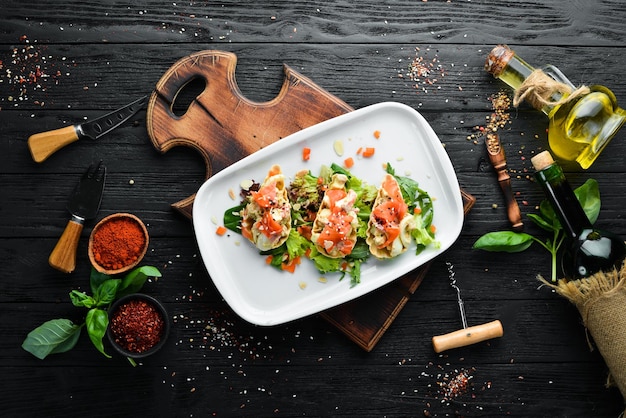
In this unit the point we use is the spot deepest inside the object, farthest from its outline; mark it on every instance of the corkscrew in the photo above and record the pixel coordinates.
(467, 335)
(498, 161)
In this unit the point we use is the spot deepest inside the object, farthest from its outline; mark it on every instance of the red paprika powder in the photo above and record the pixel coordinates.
(118, 242)
(137, 326)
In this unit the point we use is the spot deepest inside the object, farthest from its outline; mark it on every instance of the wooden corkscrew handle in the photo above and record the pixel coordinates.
(468, 336)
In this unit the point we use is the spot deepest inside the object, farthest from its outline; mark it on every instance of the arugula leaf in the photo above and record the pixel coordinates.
(97, 321)
(54, 336)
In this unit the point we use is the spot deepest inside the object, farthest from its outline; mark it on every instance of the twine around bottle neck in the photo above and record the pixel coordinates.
(538, 89)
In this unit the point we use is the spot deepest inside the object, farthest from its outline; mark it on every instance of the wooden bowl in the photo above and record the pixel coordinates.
(123, 251)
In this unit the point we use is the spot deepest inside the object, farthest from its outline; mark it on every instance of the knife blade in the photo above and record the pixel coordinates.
(44, 144)
(83, 204)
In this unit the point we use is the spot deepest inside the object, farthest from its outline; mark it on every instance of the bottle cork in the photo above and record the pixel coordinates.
(542, 160)
(498, 59)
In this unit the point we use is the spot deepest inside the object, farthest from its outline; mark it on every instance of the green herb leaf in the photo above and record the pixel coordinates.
(541, 222)
(106, 292)
(589, 197)
(507, 241)
(96, 279)
(134, 280)
(97, 321)
(232, 219)
(55, 336)
(81, 299)
(546, 211)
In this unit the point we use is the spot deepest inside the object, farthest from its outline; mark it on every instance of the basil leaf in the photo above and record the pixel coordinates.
(507, 241)
(106, 292)
(134, 281)
(97, 322)
(589, 197)
(548, 214)
(541, 222)
(81, 299)
(55, 336)
(96, 279)
(232, 218)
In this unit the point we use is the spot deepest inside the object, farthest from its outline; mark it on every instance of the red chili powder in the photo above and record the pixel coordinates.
(136, 326)
(118, 243)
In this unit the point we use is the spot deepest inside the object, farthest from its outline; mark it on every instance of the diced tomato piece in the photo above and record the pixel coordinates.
(291, 265)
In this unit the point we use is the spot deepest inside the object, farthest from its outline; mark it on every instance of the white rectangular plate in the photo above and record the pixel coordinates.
(264, 295)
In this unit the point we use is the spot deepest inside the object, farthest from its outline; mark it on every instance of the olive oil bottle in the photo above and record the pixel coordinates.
(582, 121)
(588, 250)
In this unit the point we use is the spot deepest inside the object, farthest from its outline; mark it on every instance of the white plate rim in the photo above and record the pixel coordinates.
(204, 223)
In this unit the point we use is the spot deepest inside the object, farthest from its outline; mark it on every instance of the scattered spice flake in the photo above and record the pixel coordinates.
(452, 388)
(424, 71)
(29, 73)
(499, 118)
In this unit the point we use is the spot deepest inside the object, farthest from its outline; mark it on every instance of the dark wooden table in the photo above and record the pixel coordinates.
(95, 56)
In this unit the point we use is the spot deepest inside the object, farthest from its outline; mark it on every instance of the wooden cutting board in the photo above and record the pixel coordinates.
(223, 126)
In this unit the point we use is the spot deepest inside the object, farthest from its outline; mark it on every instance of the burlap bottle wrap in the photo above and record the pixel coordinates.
(601, 301)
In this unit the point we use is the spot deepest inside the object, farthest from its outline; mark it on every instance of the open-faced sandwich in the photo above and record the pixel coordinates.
(334, 230)
(266, 218)
(390, 224)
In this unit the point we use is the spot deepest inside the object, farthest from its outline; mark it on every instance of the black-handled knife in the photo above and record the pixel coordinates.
(43, 145)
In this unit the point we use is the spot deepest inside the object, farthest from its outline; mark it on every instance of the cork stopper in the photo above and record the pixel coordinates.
(498, 59)
(542, 160)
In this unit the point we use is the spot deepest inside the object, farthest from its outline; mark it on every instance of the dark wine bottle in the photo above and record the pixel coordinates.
(588, 250)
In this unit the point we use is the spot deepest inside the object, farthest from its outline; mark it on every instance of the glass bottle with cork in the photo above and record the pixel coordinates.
(589, 250)
(582, 121)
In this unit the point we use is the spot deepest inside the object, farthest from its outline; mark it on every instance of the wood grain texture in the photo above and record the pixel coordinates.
(223, 125)
(100, 55)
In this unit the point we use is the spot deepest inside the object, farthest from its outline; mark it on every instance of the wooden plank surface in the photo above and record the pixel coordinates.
(98, 56)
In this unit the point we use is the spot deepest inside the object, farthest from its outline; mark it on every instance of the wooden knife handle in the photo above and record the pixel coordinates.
(43, 145)
(63, 256)
(468, 336)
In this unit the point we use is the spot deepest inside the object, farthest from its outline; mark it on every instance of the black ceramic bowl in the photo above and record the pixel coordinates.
(133, 323)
